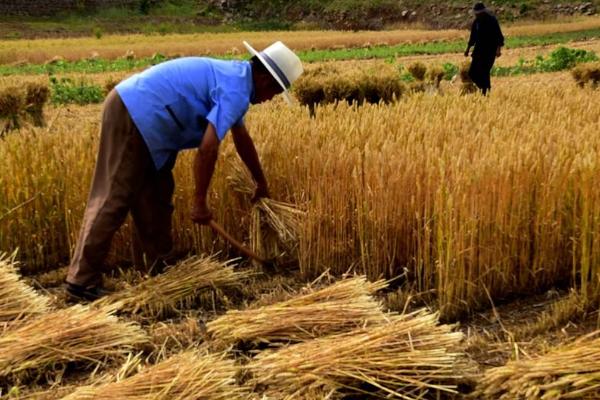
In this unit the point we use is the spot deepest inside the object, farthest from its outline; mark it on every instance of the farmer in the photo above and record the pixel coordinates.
(488, 40)
(180, 104)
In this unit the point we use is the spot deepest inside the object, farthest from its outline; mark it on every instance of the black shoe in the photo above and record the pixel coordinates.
(79, 293)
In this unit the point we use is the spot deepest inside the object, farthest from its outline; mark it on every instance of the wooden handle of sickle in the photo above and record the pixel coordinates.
(243, 249)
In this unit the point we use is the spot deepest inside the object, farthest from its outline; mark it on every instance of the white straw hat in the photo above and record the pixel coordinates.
(282, 63)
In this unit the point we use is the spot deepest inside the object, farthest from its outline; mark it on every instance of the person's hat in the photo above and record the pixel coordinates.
(281, 62)
(479, 8)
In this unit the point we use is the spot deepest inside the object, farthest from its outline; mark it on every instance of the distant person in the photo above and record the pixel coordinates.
(180, 104)
(488, 40)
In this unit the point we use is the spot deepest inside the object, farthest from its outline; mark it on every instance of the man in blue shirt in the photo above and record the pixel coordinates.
(180, 104)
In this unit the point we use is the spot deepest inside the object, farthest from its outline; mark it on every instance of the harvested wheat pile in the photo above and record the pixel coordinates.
(337, 308)
(408, 357)
(17, 299)
(82, 334)
(569, 372)
(587, 74)
(188, 375)
(180, 286)
(467, 86)
(172, 337)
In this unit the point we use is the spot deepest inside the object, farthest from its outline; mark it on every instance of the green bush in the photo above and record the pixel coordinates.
(564, 58)
(66, 91)
(450, 70)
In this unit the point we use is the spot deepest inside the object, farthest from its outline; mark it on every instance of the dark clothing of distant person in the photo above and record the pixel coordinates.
(487, 38)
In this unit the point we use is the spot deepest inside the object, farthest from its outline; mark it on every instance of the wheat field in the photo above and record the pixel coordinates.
(474, 197)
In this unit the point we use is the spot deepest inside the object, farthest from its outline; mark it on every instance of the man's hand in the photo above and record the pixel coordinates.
(200, 213)
(262, 191)
(467, 53)
(245, 148)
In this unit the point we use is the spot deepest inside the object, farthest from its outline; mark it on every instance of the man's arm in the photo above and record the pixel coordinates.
(500, 38)
(204, 167)
(472, 38)
(245, 148)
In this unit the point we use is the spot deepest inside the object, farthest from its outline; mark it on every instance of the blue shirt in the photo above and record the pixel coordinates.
(172, 103)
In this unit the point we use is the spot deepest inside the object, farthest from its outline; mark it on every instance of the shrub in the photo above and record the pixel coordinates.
(450, 71)
(563, 58)
(66, 91)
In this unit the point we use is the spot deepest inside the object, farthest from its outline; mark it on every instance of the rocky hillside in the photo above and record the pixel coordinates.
(378, 14)
(58, 18)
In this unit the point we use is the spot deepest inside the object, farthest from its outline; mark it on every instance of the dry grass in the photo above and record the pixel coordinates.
(17, 299)
(179, 287)
(334, 309)
(569, 371)
(406, 358)
(76, 334)
(190, 375)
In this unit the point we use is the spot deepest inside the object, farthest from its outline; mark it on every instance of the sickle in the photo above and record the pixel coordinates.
(243, 249)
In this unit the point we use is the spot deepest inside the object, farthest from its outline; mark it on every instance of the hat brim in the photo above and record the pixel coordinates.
(286, 93)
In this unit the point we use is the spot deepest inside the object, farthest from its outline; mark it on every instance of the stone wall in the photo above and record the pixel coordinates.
(51, 7)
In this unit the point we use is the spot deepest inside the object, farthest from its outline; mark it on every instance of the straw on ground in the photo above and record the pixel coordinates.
(338, 308)
(180, 286)
(407, 358)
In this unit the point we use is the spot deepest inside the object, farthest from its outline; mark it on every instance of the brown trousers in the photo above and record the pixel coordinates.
(125, 180)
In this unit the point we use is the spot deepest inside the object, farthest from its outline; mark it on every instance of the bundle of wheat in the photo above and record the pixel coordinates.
(275, 225)
(76, 334)
(343, 306)
(328, 85)
(587, 73)
(36, 97)
(435, 75)
(408, 357)
(17, 299)
(418, 70)
(180, 286)
(467, 86)
(12, 106)
(570, 371)
(192, 374)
